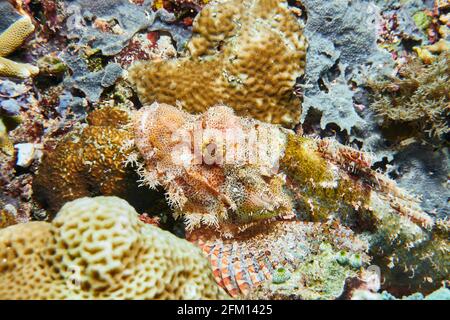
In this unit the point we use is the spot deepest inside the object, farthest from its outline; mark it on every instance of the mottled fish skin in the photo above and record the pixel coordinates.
(240, 265)
(235, 269)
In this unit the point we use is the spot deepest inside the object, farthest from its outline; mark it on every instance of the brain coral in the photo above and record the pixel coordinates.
(10, 40)
(97, 248)
(90, 162)
(245, 54)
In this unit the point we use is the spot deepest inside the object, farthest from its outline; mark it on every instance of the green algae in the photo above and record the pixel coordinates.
(422, 20)
(321, 193)
(280, 275)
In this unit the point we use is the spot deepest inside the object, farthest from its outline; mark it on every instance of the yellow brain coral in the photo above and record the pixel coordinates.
(90, 162)
(97, 248)
(245, 54)
(10, 40)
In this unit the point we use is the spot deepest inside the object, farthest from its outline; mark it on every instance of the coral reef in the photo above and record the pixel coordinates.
(221, 186)
(175, 18)
(352, 203)
(89, 162)
(97, 248)
(321, 179)
(339, 63)
(86, 81)
(401, 236)
(402, 23)
(23, 122)
(6, 145)
(106, 32)
(10, 40)
(418, 99)
(333, 173)
(245, 54)
(423, 170)
(7, 216)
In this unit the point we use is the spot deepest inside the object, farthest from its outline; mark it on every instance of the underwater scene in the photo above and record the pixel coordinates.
(225, 149)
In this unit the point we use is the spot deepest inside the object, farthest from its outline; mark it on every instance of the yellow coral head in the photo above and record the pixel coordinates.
(97, 248)
(246, 54)
(11, 39)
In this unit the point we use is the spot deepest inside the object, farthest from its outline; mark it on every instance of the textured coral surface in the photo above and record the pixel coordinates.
(10, 40)
(245, 54)
(97, 248)
(221, 186)
(90, 162)
(197, 138)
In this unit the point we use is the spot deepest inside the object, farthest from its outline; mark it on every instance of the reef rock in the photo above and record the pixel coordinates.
(122, 18)
(342, 48)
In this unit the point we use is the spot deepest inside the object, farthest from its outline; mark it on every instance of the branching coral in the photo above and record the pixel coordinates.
(212, 170)
(245, 54)
(97, 248)
(10, 40)
(418, 99)
(89, 162)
